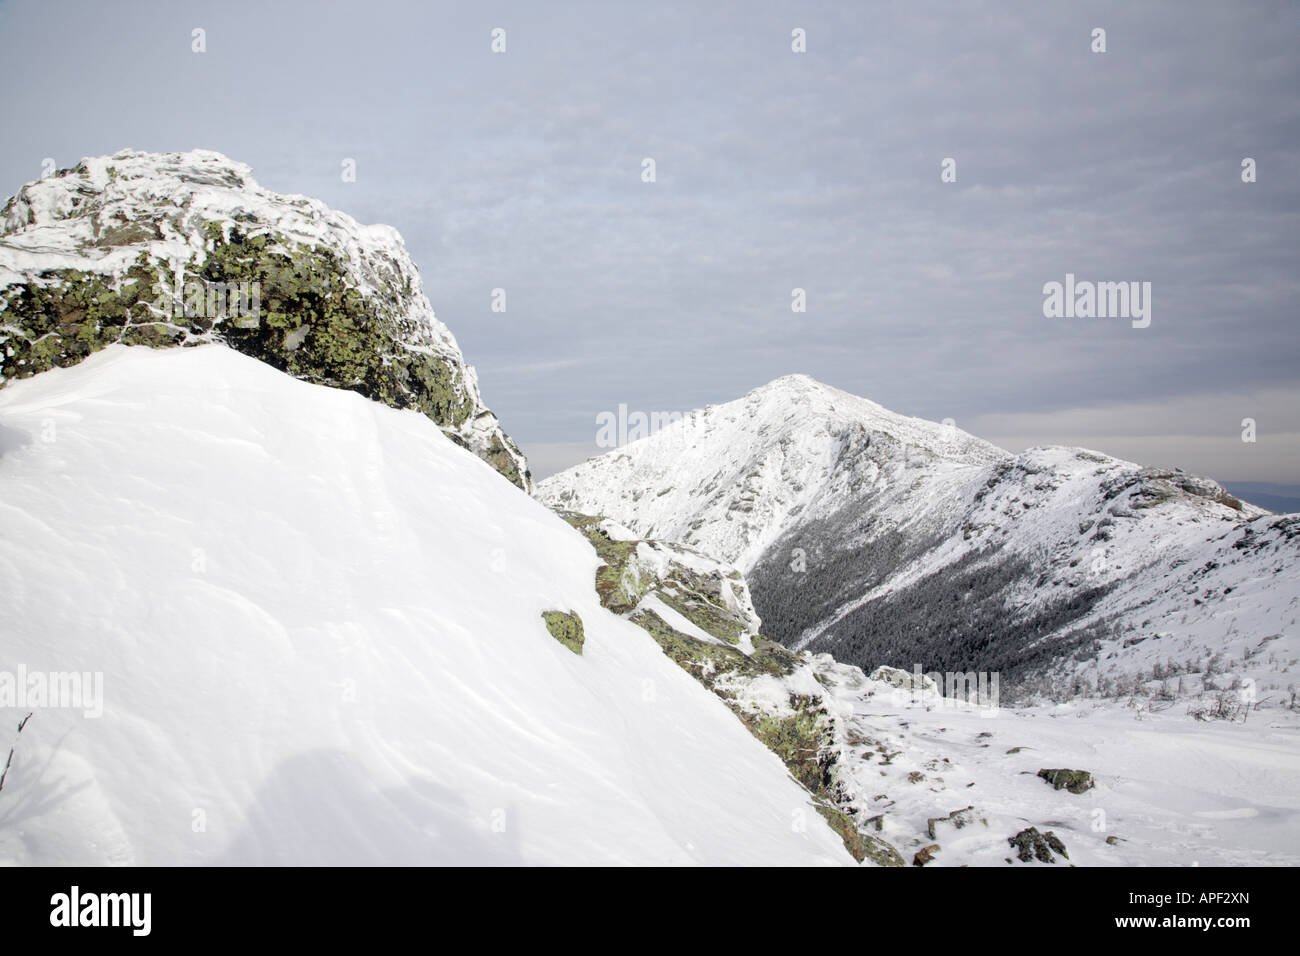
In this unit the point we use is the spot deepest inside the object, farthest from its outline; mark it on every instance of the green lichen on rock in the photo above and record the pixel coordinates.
(801, 733)
(705, 661)
(565, 627)
(704, 614)
(280, 278)
(305, 319)
(67, 315)
(1076, 781)
(1032, 845)
(316, 326)
(862, 846)
(772, 658)
(802, 740)
(617, 589)
(622, 581)
(506, 462)
(802, 737)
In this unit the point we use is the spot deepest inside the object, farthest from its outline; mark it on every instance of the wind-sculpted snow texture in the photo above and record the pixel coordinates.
(319, 630)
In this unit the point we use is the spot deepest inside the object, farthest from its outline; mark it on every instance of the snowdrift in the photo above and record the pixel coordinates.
(317, 623)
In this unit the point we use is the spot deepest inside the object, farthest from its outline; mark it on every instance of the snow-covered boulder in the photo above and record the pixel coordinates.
(897, 677)
(167, 249)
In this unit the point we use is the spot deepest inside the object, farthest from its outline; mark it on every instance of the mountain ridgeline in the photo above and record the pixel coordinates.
(888, 540)
(270, 521)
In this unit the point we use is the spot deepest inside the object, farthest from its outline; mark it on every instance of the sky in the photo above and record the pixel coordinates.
(525, 170)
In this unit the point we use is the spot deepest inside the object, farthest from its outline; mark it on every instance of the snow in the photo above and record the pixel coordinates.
(676, 621)
(1175, 791)
(54, 222)
(317, 622)
(60, 223)
(740, 472)
(741, 482)
(1192, 579)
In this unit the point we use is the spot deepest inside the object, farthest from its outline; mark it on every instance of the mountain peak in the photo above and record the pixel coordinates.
(739, 470)
(798, 386)
(795, 381)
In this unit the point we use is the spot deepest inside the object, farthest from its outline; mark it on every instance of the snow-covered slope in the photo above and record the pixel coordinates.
(167, 249)
(1168, 789)
(890, 540)
(318, 626)
(905, 774)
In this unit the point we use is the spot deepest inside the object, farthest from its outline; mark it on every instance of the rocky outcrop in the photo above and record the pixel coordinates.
(1031, 845)
(1076, 781)
(897, 677)
(181, 249)
(925, 855)
(700, 614)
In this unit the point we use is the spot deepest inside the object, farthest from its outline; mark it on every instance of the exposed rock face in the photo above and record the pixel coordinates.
(699, 612)
(825, 720)
(1031, 845)
(565, 627)
(1076, 781)
(862, 846)
(185, 248)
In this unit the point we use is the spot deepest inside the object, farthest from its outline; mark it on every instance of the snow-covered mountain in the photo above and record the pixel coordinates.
(166, 249)
(319, 629)
(258, 620)
(885, 539)
(261, 621)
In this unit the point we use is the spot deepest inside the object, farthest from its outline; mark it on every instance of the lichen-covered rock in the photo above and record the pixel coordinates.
(1151, 487)
(700, 614)
(925, 855)
(703, 660)
(176, 249)
(711, 596)
(774, 658)
(1032, 845)
(802, 738)
(1076, 781)
(862, 846)
(799, 730)
(565, 627)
